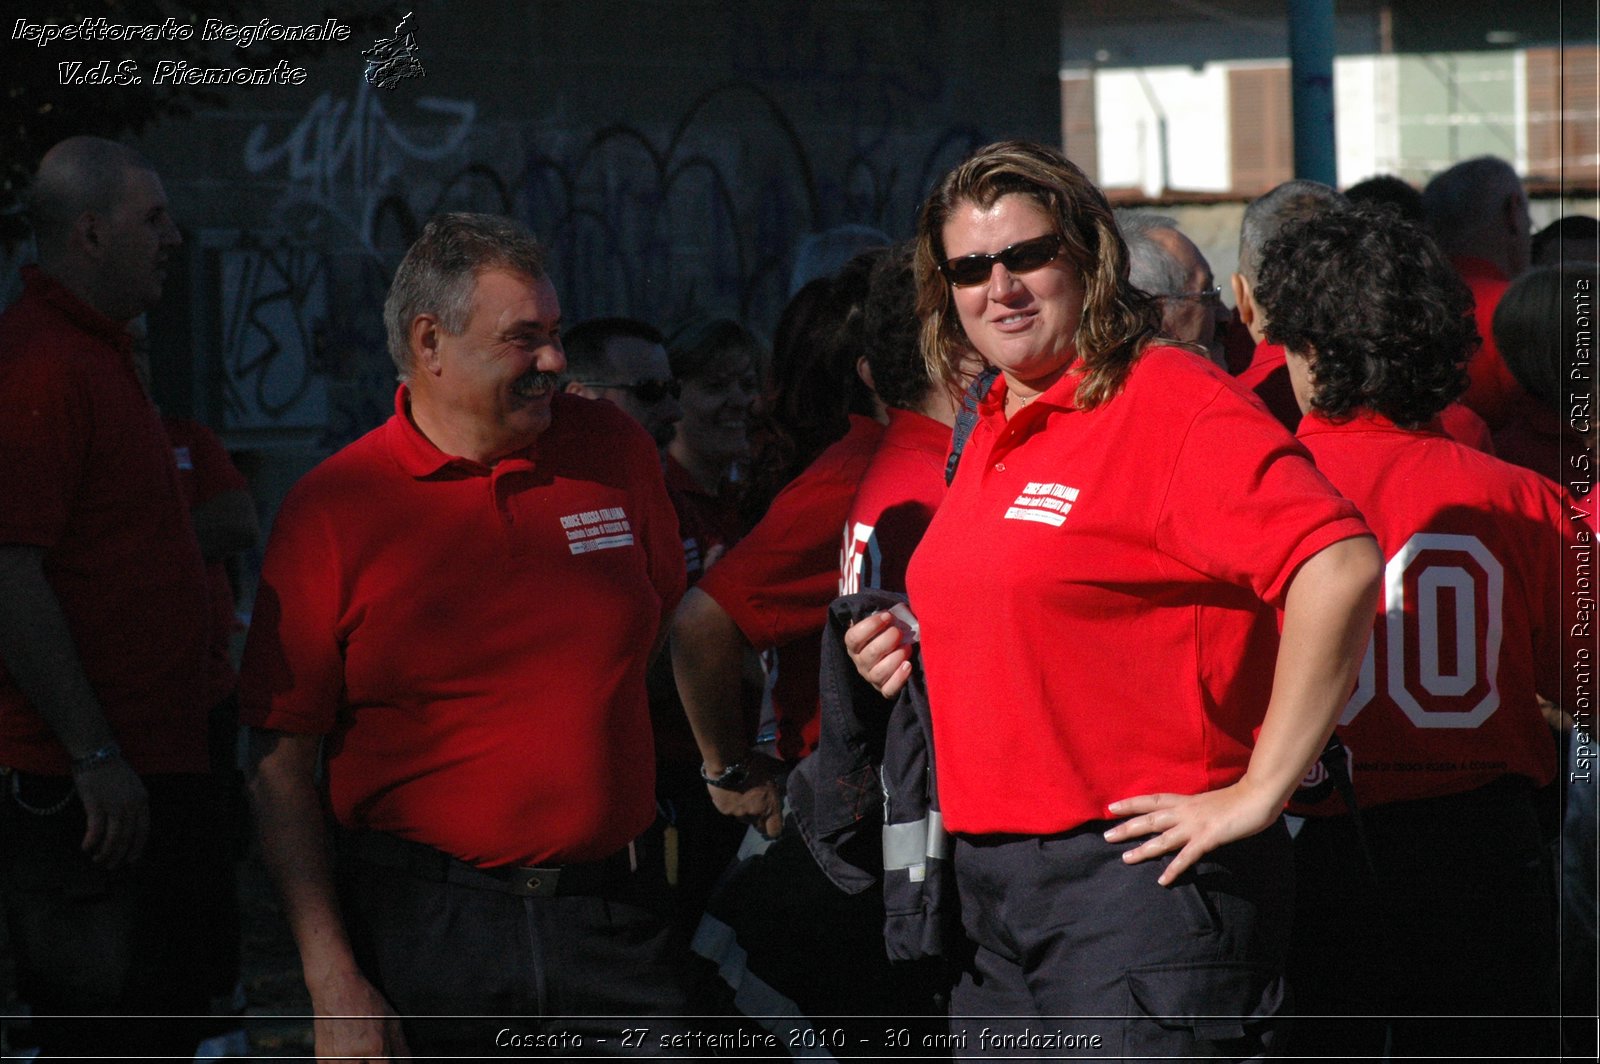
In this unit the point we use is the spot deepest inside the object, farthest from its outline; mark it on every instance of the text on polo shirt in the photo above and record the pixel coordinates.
(594, 530)
(1046, 503)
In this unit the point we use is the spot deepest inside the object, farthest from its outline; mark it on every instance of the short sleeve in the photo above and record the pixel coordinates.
(292, 677)
(1245, 504)
(777, 581)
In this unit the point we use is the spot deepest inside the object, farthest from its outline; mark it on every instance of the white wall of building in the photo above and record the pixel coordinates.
(1128, 107)
(1363, 148)
(1387, 118)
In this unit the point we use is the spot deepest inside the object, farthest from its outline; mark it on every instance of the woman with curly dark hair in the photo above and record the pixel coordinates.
(1392, 338)
(1432, 903)
(1090, 597)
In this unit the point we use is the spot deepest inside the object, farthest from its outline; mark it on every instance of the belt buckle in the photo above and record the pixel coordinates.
(537, 882)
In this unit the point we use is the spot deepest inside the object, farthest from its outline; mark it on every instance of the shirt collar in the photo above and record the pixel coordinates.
(1315, 422)
(1063, 394)
(917, 425)
(419, 458)
(65, 300)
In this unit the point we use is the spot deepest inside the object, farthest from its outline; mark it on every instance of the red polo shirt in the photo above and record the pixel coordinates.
(1091, 594)
(707, 522)
(1492, 388)
(474, 639)
(776, 583)
(88, 475)
(1470, 626)
(903, 486)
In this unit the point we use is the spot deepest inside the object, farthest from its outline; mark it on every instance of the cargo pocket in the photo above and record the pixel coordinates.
(1220, 1009)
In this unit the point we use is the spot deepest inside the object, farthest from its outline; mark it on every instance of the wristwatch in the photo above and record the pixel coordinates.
(95, 758)
(731, 778)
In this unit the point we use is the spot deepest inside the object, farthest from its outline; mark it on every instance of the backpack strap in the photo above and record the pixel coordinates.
(1334, 760)
(967, 417)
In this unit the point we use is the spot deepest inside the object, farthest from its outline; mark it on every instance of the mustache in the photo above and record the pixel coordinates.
(537, 380)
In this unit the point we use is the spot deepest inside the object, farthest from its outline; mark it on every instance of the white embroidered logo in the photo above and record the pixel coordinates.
(1046, 503)
(595, 530)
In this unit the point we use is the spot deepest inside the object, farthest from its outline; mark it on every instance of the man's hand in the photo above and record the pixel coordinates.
(118, 810)
(37, 649)
(354, 1023)
(759, 802)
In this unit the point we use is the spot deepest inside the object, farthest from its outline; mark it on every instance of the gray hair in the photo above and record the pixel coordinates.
(439, 274)
(1150, 265)
(78, 175)
(1268, 213)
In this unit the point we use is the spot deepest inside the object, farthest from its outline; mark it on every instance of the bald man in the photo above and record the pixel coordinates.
(1168, 265)
(107, 832)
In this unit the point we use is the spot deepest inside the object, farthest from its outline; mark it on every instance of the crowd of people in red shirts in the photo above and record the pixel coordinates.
(987, 658)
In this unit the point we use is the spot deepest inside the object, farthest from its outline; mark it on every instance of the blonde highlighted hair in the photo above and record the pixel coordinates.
(1117, 319)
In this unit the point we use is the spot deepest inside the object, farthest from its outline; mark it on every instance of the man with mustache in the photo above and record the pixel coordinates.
(448, 655)
(108, 842)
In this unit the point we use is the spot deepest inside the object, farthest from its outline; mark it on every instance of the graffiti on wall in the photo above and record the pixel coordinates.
(704, 218)
(274, 299)
(699, 216)
(346, 156)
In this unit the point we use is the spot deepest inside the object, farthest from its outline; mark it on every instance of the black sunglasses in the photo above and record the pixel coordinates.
(647, 391)
(1028, 255)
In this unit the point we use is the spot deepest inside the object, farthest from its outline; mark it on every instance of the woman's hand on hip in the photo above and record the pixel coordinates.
(1191, 825)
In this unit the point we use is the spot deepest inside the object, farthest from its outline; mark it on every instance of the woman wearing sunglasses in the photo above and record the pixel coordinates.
(1097, 635)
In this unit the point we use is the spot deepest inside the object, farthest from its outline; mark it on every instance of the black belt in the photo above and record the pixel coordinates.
(424, 862)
